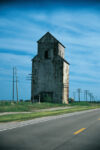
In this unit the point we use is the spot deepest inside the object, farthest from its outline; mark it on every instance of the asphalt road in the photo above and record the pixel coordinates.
(76, 132)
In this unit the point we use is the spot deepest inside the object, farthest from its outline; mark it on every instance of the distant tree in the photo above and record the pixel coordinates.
(21, 100)
(27, 100)
(71, 100)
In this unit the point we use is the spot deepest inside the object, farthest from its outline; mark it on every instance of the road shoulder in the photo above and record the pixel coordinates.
(12, 125)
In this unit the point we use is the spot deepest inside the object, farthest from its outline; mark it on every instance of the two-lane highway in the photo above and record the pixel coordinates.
(80, 131)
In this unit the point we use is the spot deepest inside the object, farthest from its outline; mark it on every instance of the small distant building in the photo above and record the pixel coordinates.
(50, 72)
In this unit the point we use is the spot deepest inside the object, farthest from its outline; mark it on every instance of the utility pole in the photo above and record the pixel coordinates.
(90, 94)
(31, 78)
(86, 93)
(39, 98)
(92, 98)
(13, 84)
(74, 95)
(96, 98)
(79, 91)
(16, 85)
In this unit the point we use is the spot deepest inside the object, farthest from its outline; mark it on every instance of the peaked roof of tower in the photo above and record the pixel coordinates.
(48, 33)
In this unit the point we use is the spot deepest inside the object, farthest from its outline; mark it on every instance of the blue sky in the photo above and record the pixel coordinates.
(76, 24)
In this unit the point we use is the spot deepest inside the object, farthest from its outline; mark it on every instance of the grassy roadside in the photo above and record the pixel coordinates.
(7, 106)
(27, 116)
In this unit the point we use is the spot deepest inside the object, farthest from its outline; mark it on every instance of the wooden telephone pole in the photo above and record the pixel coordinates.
(79, 91)
(74, 95)
(16, 85)
(15, 80)
(86, 93)
(13, 84)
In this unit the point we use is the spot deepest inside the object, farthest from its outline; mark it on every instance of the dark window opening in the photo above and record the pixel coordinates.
(46, 55)
(44, 97)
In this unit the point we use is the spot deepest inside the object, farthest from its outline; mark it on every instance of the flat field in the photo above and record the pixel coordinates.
(20, 107)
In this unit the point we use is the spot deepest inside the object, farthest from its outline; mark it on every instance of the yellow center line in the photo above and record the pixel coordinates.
(77, 132)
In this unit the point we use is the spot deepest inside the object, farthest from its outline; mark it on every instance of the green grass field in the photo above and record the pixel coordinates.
(27, 116)
(6, 106)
